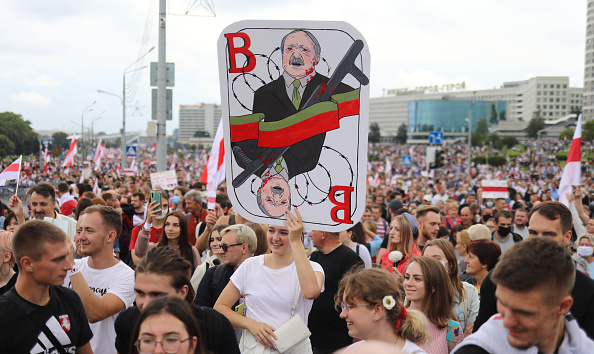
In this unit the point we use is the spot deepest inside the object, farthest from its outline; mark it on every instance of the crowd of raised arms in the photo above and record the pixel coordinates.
(94, 261)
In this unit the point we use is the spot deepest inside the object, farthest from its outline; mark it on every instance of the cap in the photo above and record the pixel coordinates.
(396, 204)
(427, 197)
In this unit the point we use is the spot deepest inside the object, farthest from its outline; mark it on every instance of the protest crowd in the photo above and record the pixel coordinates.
(101, 260)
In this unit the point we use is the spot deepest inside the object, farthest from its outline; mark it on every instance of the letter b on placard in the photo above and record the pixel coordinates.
(250, 59)
(344, 206)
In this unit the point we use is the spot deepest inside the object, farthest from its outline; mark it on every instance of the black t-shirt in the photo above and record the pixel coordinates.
(217, 332)
(64, 315)
(205, 296)
(9, 285)
(328, 331)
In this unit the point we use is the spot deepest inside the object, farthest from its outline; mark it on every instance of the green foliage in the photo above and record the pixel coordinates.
(6, 146)
(61, 139)
(374, 133)
(372, 157)
(495, 161)
(482, 127)
(567, 134)
(536, 123)
(509, 141)
(477, 139)
(401, 135)
(561, 156)
(20, 133)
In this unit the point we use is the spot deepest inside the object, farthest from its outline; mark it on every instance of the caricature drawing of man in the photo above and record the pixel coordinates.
(282, 98)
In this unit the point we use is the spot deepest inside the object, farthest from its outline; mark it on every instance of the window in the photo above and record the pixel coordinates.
(563, 107)
(537, 106)
(564, 86)
(539, 86)
(552, 93)
(557, 107)
(557, 100)
(558, 86)
(544, 86)
(551, 99)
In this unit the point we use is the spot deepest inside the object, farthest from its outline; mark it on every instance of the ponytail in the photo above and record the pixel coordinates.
(414, 327)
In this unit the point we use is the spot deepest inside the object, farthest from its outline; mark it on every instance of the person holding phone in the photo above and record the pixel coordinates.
(154, 222)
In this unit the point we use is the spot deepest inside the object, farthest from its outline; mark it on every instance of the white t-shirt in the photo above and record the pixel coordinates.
(269, 293)
(118, 280)
(409, 347)
(363, 253)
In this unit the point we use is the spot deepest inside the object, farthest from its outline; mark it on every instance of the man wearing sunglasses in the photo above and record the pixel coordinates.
(238, 243)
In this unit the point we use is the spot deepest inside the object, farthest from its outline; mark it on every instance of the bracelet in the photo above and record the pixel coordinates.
(147, 226)
(73, 271)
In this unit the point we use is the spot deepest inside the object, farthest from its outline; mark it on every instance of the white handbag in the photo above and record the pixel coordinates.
(293, 331)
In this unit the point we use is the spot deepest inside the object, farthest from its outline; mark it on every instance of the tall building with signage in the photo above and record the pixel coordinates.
(203, 118)
(588, 109)
(447, 108)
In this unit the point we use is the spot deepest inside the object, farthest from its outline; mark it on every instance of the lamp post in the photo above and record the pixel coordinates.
(470, 133)
(82, 129)
(93, 130)
(123, 99)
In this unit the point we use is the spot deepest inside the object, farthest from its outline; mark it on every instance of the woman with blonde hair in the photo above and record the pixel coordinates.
(429, 290)
(373, 309)
(401, 240)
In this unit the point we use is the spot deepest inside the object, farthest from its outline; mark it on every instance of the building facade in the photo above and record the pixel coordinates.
(203, 118)
(517, 100)
(588, 107)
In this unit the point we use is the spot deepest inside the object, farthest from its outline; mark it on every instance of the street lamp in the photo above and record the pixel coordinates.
(470, 133)
(82, 129)
(92, 128)
(123, 99)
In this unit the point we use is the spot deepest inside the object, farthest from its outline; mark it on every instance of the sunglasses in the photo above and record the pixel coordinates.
(224, 247)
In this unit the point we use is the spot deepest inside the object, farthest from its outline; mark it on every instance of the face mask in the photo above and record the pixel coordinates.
(585, 251)
(490, 204)
(444, 265)
(163, 214)
(503, 231)
(175, 200)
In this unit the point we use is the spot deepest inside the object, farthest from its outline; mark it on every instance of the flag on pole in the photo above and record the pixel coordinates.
(13, 171)
(96, 187)
(131, 171)
(388, 165)
(172, 167)
(46, 159)
(214, 171)
(573, 167)
(71, 152)
(98, 153)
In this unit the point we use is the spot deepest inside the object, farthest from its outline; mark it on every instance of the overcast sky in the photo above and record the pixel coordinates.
(55, 55)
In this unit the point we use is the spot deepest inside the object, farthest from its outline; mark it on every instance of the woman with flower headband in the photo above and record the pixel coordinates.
(401, 240)
(373, 310)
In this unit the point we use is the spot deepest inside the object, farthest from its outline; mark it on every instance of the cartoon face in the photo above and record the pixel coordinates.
(275, 196)
(299, 55)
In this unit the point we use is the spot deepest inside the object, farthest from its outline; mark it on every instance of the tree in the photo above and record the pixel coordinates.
(587, 131)
(509, 141)
(6, 146)
(20, 133)
(482, 127)
(567, 134)
(374, 133)
(201, 134)
(536, 123)
(61, 139)
(401, 135)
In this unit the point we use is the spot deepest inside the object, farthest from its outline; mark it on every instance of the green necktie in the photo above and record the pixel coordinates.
(296, 96)
(278, 166)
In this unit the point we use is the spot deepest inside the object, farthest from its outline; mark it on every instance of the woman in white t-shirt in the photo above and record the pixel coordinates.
(354, 238)
(373, 309)
(268, 284)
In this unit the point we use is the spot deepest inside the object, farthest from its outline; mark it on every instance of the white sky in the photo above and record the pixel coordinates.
(55, 55)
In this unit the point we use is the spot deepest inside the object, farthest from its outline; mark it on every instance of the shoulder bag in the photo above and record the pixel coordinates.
(293, 331)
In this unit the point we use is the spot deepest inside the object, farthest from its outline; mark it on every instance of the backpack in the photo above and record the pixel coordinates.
(216, 277)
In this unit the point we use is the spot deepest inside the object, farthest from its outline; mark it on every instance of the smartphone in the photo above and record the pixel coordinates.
(156, 196)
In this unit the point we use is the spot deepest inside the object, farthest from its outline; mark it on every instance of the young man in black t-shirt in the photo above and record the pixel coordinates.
(41, 251)
(328, 331)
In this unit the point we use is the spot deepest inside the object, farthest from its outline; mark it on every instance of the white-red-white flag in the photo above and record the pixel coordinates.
(98, 153)
(13, 171)
(172, 167)
(214, 171)
(71, 152)
(573, 167)
(46, 159)
(96, 186)
(388, 165)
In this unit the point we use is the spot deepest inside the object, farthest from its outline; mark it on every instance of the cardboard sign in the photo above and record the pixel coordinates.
(295, 101)
(166, 180)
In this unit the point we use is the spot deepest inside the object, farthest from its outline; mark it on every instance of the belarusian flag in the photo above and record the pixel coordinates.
(573, 167)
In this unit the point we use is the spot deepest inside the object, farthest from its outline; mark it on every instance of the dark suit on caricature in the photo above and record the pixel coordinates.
(272, 100)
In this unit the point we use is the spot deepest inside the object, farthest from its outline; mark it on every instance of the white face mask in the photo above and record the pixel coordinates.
(163, 214)
(585, 251)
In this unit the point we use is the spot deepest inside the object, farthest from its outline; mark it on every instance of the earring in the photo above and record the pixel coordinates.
(376, 318)
(2, 267)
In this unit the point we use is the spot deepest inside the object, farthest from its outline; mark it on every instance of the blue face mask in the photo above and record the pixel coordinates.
(490, 204)
(175, 200)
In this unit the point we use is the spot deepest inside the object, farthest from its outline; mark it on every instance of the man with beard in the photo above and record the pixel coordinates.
(104, 283)
(43, 205)
(428, 220)
(520, 222)
(503, 234)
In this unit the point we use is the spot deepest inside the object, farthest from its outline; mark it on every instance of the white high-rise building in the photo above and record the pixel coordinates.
(204, 117)
(588, 108)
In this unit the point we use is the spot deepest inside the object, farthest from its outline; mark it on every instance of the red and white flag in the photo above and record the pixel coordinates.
(573, 167)
(98, 153)
(46, 159)
(494, 189)
(96, 186)
(71, 152)
(214, 171)
(13, 171)
(172, 167)
(131, 171)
